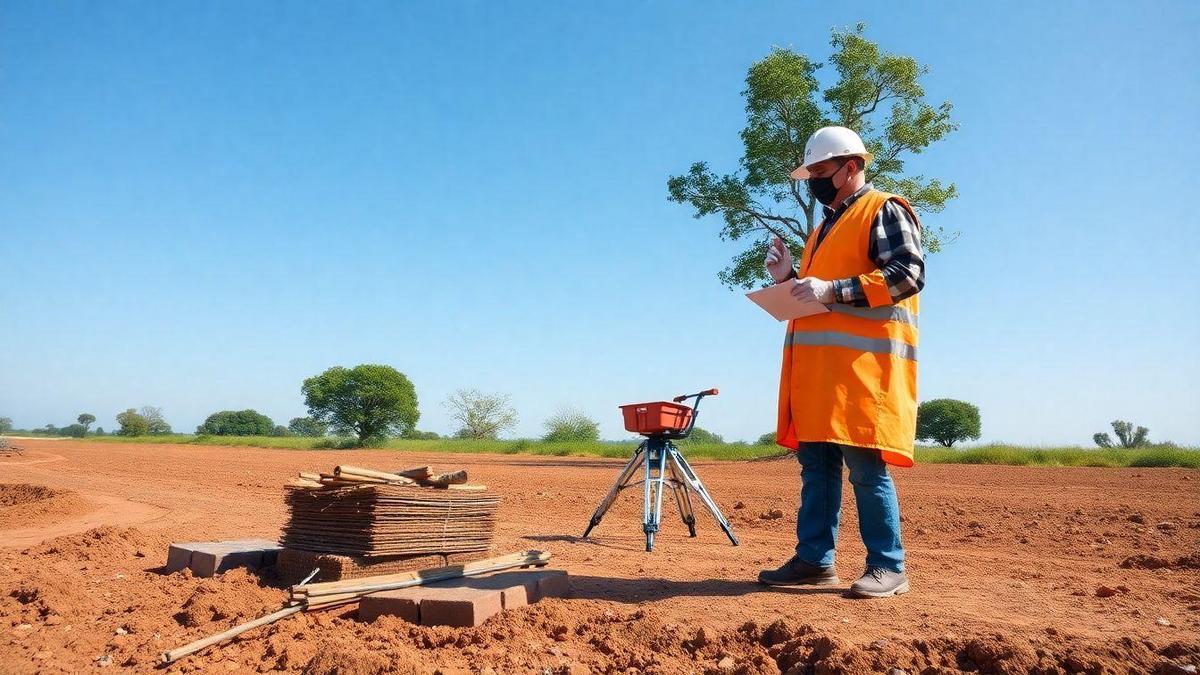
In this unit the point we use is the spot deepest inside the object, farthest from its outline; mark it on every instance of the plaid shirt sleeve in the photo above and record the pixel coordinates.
(896, 250)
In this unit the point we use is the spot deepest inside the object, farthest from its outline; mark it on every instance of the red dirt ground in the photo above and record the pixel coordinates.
(1014, 570)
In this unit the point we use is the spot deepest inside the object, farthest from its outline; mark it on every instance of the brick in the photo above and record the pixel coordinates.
(179, 556)
(404, 603)
(553, 584)
(517, 589)
(459, 607)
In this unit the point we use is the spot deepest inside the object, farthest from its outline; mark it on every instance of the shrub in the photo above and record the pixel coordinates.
(415, 435)
(571, 425)
(307, 427)
(6, 425)
(369, 401)
(155, 424)
(132, 423)
(767, 439)
(948, 421)
(73, 430)
(237, 423)
(703, 437)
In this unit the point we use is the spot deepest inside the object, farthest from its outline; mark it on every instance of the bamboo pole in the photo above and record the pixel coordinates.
(192, 648)
(343, 470)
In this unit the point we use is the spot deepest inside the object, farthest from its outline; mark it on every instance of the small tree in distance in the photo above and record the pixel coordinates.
(766, 439)
(1127, 436)
(155, 424)
(480, 415)
(307, 427)
(86, 419)
(568, 424)
(6, 425)
(948, 421)
(704, 437)
(132, 423)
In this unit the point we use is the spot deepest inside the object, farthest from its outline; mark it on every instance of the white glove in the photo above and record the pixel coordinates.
(779, 260)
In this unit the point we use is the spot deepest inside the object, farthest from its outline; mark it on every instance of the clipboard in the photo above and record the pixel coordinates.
(777, 300)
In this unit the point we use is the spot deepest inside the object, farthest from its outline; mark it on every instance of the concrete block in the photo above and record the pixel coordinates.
(553, 584)
(179, 556)
(459, 607)
(214, 557)
(404, 603)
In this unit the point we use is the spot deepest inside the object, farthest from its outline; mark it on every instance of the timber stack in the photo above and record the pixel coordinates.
(356, 522)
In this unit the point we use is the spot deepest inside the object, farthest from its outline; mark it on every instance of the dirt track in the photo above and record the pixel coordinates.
(1005, 564)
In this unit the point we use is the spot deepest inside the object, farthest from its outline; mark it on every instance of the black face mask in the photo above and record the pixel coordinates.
(823, 188)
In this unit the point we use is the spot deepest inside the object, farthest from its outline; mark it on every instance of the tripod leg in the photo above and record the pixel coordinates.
(660, 483)
(647, 513)
(622, 480)
(693, 481)
(683, 498)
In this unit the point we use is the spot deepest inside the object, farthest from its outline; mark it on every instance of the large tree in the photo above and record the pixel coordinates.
(876, 93)
(948, 421)
(86, 419)
(369, 401)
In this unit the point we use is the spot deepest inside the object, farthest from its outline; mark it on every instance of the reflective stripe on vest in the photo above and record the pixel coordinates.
(885, 313)
(857, 342)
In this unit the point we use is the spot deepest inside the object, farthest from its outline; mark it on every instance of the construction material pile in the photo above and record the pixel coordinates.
(375, 514)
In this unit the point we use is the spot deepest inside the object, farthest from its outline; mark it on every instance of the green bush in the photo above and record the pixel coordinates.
(703, 437)
(766, 439)
(237, 423)
(132, 423)
(307, 427)
(571, 425)
(948, 421)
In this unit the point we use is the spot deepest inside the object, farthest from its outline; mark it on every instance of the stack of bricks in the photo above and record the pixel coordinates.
(206, 558)
(465, 602)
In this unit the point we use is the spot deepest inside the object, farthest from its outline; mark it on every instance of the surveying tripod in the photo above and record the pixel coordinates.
(664, 467)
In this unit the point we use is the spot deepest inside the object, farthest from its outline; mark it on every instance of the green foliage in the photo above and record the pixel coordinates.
(568, 424)
(703, 437)
(1127, 436)
(132, 423)
(415, 435)
(307, 427)
(86, 419)
(948, 421)
(73, 430)
(237, 423)
(479, 415)
(767, 439)
(6, 425)
(370, 402)
(877, 94)
(99, 431)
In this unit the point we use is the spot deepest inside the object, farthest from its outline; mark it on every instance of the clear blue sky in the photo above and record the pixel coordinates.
(201, 204)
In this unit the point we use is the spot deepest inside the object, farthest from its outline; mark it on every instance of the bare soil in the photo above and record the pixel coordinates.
(1014, 570)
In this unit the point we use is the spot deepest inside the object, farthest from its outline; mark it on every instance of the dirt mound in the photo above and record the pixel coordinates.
(235, 596)
(23, 505)
(100, 545)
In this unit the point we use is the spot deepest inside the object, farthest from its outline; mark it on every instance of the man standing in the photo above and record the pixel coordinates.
(848, 390)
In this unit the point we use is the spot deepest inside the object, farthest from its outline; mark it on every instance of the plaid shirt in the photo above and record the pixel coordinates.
(895, 248)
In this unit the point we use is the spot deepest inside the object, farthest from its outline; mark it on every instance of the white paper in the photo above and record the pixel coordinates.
(779, 302)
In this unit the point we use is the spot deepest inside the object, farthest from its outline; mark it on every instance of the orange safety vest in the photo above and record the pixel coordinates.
(850, 376)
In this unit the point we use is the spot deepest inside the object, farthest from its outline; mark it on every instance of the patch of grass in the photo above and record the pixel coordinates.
(1013, 455)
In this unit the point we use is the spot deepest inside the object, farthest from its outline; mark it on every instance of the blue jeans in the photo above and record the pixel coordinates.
(821, 504)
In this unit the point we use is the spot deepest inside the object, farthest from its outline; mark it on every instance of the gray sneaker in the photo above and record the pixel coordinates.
(796, 572)
(878, 582)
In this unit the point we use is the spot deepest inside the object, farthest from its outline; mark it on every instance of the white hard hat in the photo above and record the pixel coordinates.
(827, 143)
